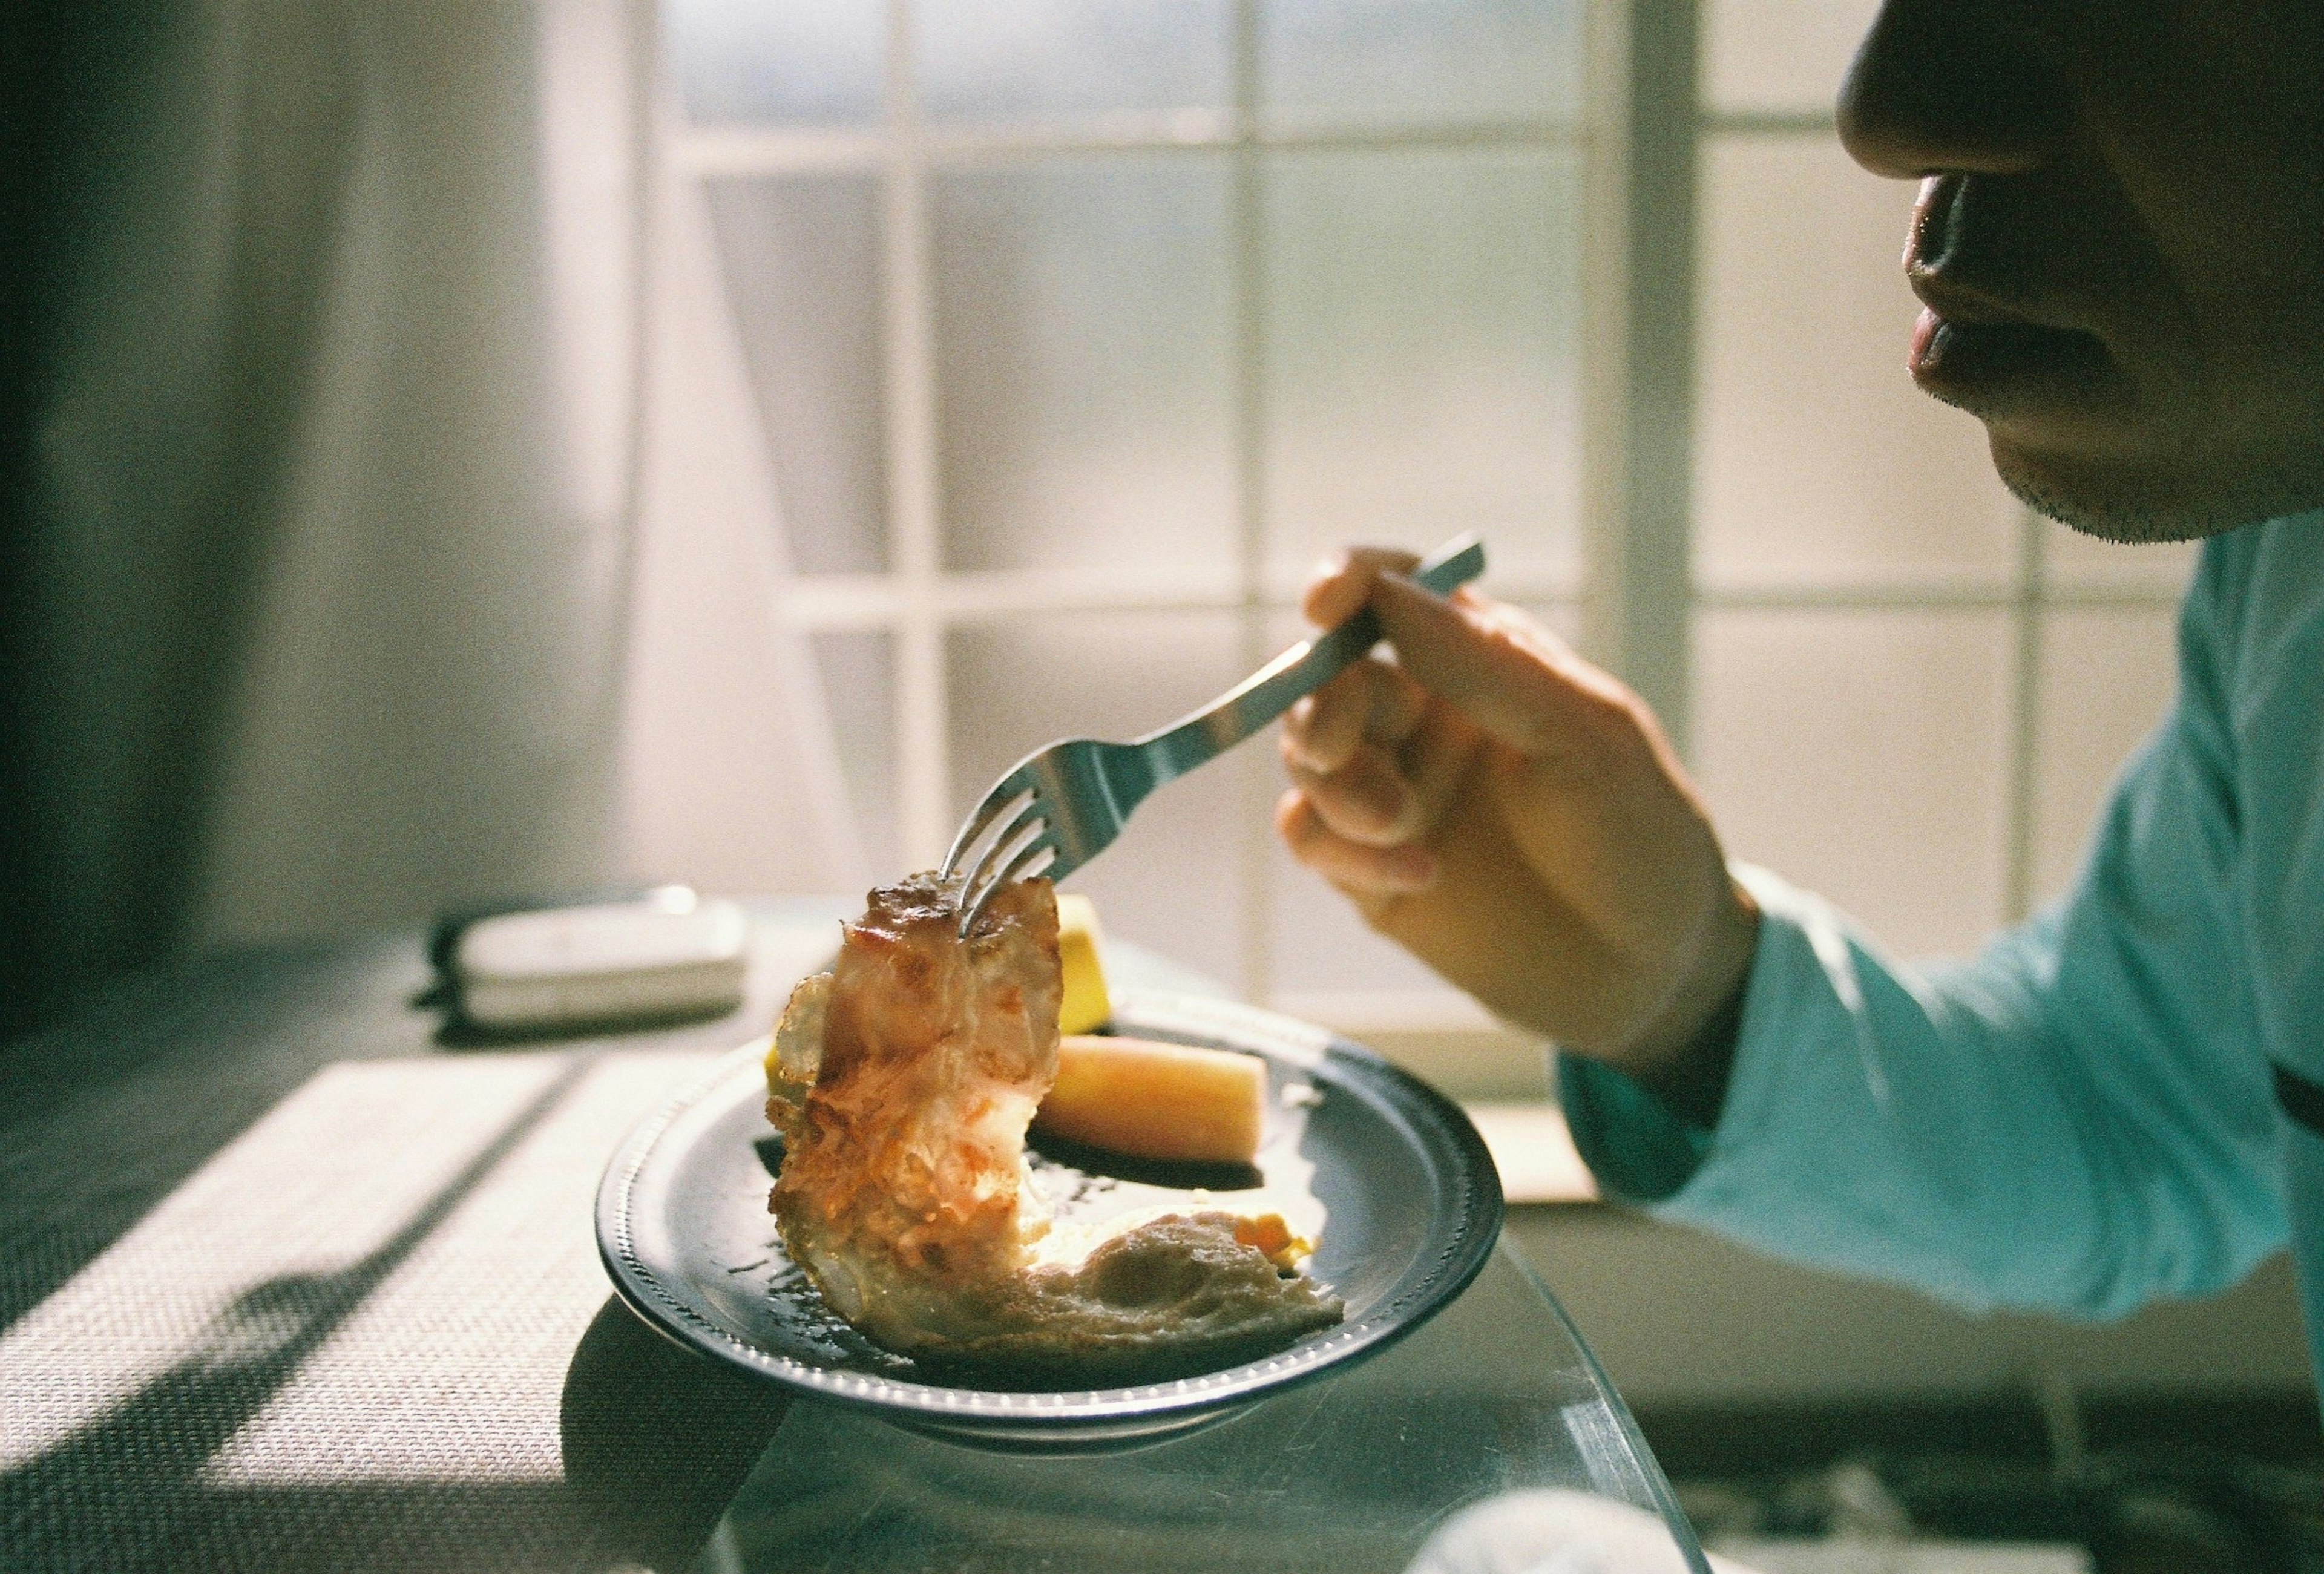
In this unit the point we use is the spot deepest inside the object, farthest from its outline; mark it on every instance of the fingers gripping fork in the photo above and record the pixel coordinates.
(1062, 805)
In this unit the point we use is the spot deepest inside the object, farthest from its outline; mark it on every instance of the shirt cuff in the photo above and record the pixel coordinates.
(1640, 1149)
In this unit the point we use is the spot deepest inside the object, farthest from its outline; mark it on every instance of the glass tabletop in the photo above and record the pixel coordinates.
(1487, 1442)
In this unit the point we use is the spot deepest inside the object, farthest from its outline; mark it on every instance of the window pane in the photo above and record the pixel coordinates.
(1817, 460)
(1779, 55)
(1173, 881)
(859, 691)
(801, 257)
(1323, 947)
(1863, 755)
(1084, 350)
(1023, 58)
(2107, 677)
(1421, 59)
(1422, 314)
(799, 60)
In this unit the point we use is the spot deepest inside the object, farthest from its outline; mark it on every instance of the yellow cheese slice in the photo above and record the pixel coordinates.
(1084, 1005)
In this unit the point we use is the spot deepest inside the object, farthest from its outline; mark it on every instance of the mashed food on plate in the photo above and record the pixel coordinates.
(903, 1081)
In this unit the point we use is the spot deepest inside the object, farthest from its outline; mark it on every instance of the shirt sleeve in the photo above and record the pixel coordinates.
(2080, 1120)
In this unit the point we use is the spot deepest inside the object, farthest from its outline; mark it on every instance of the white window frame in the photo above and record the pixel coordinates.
(1638, 140)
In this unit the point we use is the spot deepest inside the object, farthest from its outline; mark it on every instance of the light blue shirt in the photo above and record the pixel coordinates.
(2118, 1100)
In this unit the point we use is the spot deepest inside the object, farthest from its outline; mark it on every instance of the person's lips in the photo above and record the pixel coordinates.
(2002, 337)
(2050, 315)
(1951, 354)
(1969, 352)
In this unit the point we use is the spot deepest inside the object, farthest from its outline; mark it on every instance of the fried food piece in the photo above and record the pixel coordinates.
(918, 1063)
(903, 1081)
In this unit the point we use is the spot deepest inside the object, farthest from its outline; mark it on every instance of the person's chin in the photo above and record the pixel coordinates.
(2069, 430)
(2105, 502)
(2077, 437)
(2174, 496)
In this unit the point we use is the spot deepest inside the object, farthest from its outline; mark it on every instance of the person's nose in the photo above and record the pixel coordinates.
(1952, 87)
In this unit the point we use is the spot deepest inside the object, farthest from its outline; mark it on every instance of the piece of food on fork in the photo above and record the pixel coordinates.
(903, 1081)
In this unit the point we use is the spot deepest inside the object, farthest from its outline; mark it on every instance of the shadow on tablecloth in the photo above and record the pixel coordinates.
(328, 1300)
(657, 1440)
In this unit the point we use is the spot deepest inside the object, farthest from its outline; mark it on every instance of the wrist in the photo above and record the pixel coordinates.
(1687, 1054)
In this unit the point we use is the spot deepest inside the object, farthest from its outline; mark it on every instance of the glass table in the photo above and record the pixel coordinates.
(1487, 1442)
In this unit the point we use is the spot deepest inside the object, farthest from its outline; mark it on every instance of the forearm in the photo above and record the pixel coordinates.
(2002, 1133)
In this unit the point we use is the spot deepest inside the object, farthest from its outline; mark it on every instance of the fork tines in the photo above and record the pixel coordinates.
(1020, 848)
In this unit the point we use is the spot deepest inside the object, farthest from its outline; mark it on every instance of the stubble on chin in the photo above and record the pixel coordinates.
(2133, 507)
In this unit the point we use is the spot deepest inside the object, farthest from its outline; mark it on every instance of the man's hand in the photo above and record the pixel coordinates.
(1513, 817)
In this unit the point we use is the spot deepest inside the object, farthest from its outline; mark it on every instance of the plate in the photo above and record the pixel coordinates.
(1408, 1201)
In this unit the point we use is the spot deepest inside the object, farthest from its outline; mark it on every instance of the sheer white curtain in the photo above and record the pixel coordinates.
(423, 706)
(730, 767)
(400, 534)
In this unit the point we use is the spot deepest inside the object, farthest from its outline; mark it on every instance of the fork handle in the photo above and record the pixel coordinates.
(1295, 674)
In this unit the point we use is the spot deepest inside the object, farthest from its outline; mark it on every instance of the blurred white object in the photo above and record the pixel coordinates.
(1549, 1532)
(664, 955)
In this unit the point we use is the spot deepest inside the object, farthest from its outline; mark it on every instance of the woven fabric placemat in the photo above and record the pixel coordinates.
(286, 1283)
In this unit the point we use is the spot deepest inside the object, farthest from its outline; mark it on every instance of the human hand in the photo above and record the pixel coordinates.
(1513, 817)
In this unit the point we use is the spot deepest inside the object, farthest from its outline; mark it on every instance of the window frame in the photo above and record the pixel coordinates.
(1639, 141)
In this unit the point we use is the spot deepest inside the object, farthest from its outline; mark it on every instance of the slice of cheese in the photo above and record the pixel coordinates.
(1084, 1005)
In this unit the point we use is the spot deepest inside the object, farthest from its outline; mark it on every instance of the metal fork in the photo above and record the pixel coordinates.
(1062, 805)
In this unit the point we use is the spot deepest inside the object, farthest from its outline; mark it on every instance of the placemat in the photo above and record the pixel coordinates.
(288, 1283)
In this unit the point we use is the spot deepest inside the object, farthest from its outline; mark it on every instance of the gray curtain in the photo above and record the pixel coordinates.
(322, 468)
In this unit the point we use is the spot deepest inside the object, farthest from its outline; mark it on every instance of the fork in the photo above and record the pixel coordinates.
(1062, 805)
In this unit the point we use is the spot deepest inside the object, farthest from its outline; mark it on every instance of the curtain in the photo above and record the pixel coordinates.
(731, 763)
(339, 488)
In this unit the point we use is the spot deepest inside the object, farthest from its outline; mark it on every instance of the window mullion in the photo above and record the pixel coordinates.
(1645, 626)
(1605, 329)
(1248, 221)
(923, 732)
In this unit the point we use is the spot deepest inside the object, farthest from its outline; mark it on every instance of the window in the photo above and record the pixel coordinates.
(1080, 328)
